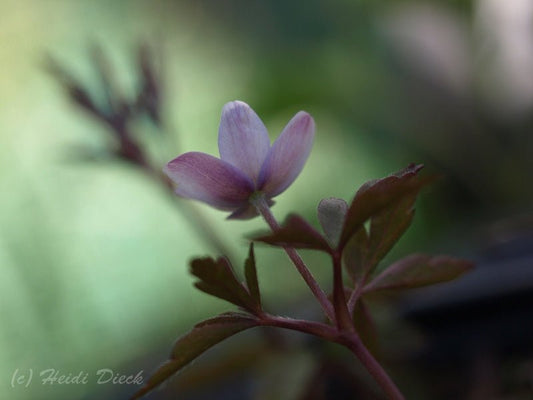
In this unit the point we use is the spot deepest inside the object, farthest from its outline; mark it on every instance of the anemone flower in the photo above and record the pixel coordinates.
(248, 165)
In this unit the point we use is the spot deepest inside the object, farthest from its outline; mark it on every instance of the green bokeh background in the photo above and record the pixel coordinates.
(93, 255)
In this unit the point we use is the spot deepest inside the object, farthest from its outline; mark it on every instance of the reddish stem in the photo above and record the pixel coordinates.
(314, 328)
(348, 339)
(260, 203)
(342, 314)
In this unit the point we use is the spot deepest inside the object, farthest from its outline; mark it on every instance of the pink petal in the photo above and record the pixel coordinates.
(206, 178)
(288, 155)
(242, 138)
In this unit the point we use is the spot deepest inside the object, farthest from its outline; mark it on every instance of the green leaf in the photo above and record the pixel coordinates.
(375, 196)
(295, 232)
(418, 270)
(250, 272)
(218, 279)
(189, 346)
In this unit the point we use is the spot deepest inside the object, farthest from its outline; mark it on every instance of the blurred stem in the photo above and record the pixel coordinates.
(117, 116)
(196, 219)
(133, 152)
(262, 207)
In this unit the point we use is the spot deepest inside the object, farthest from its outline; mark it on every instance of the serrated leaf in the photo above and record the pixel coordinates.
(295, 232)
(375, 196)
(218, 279)
(250, 273)
(219, 291)
(189, 346)
(418, 270)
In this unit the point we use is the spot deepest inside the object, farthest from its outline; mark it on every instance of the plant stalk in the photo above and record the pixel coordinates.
(342, 314)
(339, 313)
(262, 207)
(348, 339)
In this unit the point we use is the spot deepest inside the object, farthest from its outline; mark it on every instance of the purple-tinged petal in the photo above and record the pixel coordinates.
(242, 138)
(287, 155)
(206, 178)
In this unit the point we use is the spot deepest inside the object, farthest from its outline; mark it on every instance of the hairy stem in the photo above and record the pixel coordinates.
(263, 208)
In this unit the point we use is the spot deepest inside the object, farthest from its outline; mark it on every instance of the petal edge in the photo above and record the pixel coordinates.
(206, 178)
(288, 155)
(243, 138)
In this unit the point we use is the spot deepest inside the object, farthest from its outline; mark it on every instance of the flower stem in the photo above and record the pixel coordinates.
(196, 219)
(344, 331)
(260, 203)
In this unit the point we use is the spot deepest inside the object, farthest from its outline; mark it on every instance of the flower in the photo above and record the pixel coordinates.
(248, 164)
